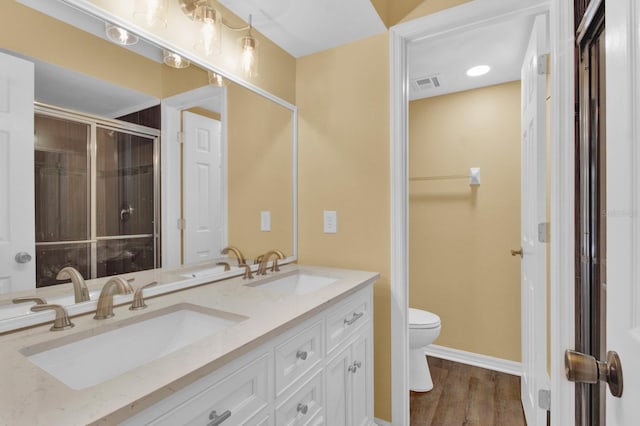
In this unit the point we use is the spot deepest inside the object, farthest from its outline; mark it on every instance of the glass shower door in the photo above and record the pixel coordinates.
(62, 197)
(125, 202)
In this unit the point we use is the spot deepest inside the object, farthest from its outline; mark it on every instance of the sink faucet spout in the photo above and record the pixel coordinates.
(80, 290)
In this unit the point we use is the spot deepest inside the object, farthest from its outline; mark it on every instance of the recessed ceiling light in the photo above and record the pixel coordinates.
(479, 70)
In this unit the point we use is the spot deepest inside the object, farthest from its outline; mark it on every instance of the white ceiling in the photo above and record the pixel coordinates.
(501, 46)
(302, 27)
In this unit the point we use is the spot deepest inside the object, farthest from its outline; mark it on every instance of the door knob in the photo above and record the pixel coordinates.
(516, 252)
(582, 368)
(23, 257)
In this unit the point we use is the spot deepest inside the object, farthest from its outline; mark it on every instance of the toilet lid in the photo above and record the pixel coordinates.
(423, 319)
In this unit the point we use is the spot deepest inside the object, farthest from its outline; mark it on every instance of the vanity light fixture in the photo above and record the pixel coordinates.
(209, 34)
(249, 54)
(216, 79)
(120, 35)
(478, 70)
(174, 60)
(151, 13)
(208, 38)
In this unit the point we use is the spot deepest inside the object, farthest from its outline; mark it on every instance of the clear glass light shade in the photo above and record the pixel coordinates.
(151, 13)
(174, 60)
(120, 35)
(209, 33)
(216, 79)
(249, 56)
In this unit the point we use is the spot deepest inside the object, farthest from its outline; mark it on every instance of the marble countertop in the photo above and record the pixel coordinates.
(29, 395)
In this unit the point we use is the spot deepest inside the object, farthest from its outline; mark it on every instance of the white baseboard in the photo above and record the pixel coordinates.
(478, 360)
(381, 422)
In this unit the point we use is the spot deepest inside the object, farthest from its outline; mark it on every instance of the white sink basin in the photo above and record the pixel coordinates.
(297, 282)
(91, 359)
(18, 309)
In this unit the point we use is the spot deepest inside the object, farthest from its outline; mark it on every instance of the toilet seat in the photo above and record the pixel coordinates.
(423, 319)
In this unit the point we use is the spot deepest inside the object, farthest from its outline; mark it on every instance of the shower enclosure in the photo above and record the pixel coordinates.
(96, 195)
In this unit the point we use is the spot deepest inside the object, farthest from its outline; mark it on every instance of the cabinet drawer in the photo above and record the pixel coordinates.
(347, 317)
(297, 356)
(304, 407)
(234, 400)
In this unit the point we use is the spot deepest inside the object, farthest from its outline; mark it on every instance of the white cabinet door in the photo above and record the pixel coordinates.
(337, 385)
(349, 385)
(17, 217)
(361, 380)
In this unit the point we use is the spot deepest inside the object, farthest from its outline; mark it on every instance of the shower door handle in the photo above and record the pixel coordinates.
(23, 257)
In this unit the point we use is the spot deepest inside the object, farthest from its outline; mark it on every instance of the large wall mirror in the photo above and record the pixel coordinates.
(135, 164)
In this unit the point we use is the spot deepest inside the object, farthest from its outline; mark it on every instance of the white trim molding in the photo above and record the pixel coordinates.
(562, 209)
(477, 360)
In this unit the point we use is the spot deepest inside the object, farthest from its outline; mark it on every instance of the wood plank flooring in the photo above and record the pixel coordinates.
(467, 395)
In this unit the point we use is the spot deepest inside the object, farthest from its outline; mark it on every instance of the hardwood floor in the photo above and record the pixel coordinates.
(467, 395)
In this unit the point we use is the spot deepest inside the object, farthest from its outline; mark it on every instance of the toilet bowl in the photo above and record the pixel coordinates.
(424, 328)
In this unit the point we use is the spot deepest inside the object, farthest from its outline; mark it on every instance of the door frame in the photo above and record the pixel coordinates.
(467, 16)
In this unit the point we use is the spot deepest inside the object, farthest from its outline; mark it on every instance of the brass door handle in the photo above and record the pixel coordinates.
(516, 252)
(582, 368)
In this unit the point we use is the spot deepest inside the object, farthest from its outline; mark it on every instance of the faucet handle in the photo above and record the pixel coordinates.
(37, 300)
(62, 321)
(225, 264)
(247, 272)
(138, 299)
(274, 265)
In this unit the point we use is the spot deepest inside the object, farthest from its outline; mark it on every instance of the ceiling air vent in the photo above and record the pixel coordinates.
(424, 83)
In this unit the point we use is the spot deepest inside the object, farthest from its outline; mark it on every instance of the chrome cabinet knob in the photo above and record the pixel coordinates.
(23, 257)
(302, 408)
(301, 355)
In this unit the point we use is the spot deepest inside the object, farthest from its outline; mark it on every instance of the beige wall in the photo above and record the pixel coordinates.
(460, 236)
(343, 101)
(259, 172)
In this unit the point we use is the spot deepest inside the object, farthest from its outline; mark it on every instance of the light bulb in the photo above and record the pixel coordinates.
(208, 38)
(120, 35)
(174, 60)
(216, 79)
(152, 13)
(249, 56)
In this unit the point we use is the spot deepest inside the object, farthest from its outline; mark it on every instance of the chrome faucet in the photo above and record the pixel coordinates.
(262, 269)
(105, 302)
(80, 290)
(236, 252)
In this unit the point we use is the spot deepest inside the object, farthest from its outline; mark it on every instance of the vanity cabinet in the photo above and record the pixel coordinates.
(317, 373)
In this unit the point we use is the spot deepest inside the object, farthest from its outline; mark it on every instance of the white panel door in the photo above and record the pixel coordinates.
(202, 188)
(533, 211)
(623, 203)
(17, 217)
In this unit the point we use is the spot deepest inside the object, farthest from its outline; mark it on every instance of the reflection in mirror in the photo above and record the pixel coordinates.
(103, 117)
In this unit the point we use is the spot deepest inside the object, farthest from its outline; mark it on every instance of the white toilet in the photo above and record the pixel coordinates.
(424, 328)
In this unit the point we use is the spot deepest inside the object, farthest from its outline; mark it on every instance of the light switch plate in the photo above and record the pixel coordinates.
(265, 221)
(330, 222)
